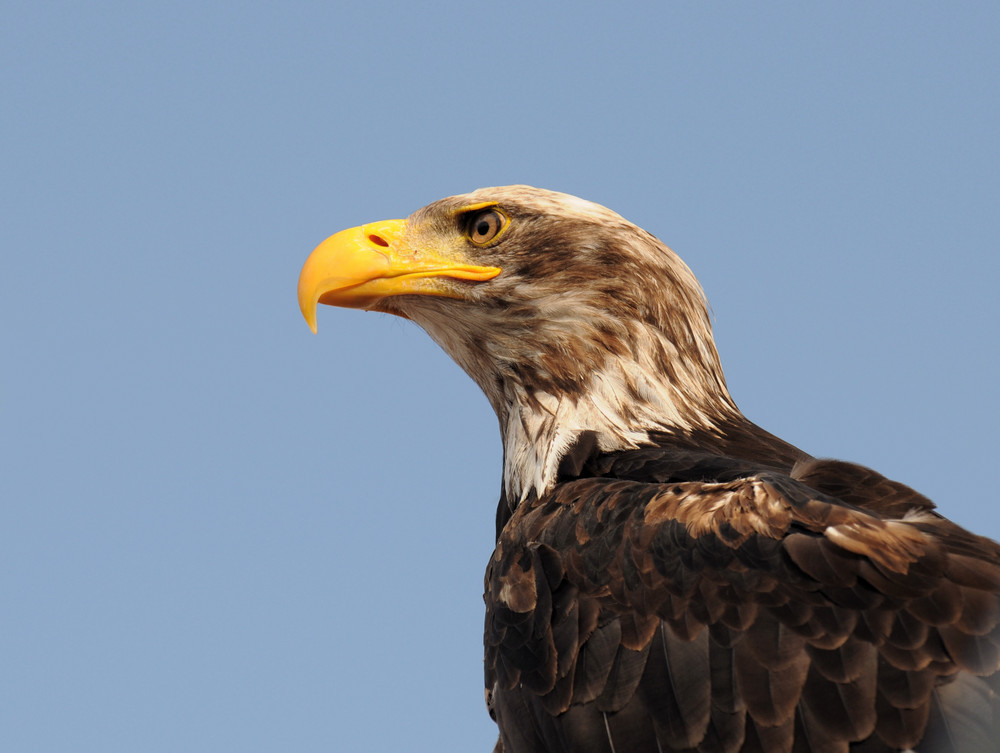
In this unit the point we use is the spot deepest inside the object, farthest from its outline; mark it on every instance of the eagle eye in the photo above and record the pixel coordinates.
(484, 226)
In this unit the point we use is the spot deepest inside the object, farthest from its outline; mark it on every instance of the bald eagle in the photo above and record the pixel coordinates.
(667, 575)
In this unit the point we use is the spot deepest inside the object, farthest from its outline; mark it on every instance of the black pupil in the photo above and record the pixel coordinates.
(483, 227)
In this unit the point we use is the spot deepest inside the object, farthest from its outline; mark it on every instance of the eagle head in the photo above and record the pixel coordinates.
(572, 320)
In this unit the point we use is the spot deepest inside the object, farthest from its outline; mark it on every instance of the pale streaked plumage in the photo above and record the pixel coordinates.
(636, 363)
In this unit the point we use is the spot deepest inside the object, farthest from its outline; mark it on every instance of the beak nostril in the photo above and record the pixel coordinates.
(378, 240)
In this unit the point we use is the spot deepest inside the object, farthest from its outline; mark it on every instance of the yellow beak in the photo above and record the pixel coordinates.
(357, 267)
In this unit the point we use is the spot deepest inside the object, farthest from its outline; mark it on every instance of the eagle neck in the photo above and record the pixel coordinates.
(548, 436)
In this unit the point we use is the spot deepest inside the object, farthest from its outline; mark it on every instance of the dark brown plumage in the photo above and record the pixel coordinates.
(677, 600)
(667, 575)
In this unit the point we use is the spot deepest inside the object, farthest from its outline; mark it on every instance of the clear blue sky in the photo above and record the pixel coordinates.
(223, 533)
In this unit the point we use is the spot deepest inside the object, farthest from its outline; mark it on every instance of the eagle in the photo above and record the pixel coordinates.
(668, 576)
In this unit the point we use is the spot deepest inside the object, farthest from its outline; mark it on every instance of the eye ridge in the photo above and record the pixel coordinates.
(485, 225)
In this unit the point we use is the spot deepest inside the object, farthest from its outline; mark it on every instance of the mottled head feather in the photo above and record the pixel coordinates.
(594, 325)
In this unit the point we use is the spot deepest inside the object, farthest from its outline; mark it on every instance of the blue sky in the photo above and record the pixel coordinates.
(224, 533)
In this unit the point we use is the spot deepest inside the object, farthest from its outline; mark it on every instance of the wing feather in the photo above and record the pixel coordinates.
(746, 611)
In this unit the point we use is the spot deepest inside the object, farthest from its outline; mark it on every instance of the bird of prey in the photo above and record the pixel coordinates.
(668, 576)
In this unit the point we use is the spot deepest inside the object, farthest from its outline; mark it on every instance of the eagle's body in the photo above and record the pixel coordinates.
(668, 576)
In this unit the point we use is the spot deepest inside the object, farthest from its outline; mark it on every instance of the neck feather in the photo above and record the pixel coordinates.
(619, 407)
